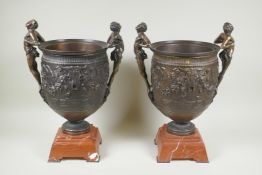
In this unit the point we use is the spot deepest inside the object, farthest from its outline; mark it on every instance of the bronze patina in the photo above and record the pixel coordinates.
(184, 75)
(74, 77)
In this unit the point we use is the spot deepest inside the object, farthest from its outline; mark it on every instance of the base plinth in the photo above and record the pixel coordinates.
(175, 147)
(82, 146)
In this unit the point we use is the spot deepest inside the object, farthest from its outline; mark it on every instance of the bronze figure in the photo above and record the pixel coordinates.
(32, 38)
(227, 45)
(140, 42)
(115, 40)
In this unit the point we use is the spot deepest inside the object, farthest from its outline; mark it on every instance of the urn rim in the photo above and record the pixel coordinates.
(73, 47)
(184, 48)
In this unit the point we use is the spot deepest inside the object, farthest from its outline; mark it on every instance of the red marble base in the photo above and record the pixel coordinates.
(82, 146)
(174, 147)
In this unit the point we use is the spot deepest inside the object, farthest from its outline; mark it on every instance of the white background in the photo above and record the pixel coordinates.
(128, 122)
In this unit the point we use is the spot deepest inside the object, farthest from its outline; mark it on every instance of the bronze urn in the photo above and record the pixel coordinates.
(184, 79)
(74, 79)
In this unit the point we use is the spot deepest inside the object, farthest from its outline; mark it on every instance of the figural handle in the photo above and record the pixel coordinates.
(227, 46)
(114, 41)
(31, 41)
(143, 42)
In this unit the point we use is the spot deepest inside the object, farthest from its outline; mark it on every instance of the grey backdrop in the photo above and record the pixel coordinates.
(128, 122)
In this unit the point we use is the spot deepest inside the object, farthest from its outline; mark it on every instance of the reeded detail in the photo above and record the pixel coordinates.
(73, 59)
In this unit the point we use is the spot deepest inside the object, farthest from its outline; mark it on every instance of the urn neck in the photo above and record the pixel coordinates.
(184, 48)
(73, 47)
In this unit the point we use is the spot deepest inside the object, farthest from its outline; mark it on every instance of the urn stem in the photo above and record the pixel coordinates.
(181, 128)
(76, 127)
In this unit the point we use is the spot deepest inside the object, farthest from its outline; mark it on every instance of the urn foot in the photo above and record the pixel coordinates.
(175, 147)
(83, 146)
(77, 127)
(182, 129)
